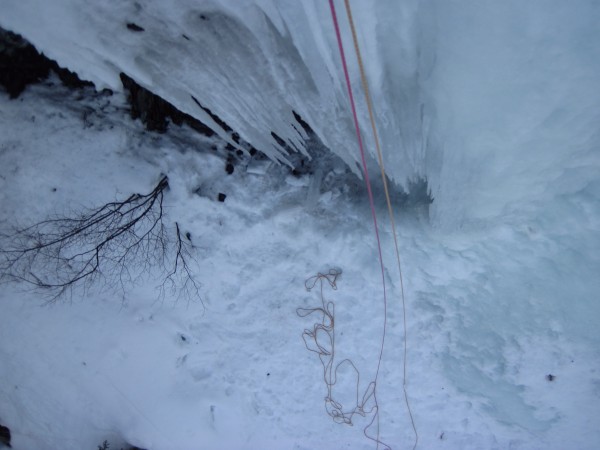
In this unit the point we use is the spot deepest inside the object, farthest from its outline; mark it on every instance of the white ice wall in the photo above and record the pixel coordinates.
(492, 101)
(250, 62)
(516, 91)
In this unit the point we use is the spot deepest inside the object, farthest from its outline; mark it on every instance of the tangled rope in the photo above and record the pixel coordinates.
(320, 339)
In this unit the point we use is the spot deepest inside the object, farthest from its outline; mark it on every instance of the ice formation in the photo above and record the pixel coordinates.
(495, 103)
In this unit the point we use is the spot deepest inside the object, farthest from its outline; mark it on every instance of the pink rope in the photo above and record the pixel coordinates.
(370, 193)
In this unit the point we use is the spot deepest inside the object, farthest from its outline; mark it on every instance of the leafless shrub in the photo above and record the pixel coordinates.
(117, 243)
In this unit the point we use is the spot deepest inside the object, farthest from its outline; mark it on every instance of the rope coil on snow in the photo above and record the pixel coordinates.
(320, 339)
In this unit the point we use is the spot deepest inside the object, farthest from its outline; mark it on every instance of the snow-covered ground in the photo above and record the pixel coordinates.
(502, 282)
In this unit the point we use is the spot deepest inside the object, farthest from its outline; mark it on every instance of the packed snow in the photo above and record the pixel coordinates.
(495, 103)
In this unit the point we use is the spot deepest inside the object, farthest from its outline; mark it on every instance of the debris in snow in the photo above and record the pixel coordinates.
(134, 27)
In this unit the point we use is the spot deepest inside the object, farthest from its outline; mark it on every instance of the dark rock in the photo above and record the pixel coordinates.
(21, 64)
(70, 79)
(418, 192)
(302, 122)
(134, 27)
(155, 112)
(214, 117)
(221, 197)
(278, 139)
(5, 436)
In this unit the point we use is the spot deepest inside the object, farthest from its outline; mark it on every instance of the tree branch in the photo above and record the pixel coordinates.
(118, 242)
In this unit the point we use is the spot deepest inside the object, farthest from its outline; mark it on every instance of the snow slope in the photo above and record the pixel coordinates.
(491, 311)
(502, 284)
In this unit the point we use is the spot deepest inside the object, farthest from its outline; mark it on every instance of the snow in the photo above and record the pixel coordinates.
(495, 102)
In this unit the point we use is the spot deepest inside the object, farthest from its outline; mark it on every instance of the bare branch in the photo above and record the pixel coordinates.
(118, 242)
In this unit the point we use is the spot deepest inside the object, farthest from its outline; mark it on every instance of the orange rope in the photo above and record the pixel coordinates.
(389, 203)
(372, 392)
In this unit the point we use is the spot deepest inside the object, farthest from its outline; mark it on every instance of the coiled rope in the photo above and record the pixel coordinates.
(320, 339)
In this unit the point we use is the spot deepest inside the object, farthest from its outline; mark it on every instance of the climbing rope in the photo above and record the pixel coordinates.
(321, 340)
(372, 205)
(365, 86)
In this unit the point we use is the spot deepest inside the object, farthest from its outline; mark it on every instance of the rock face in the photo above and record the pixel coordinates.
(21, 64)
(4, 436)
(155, 112)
